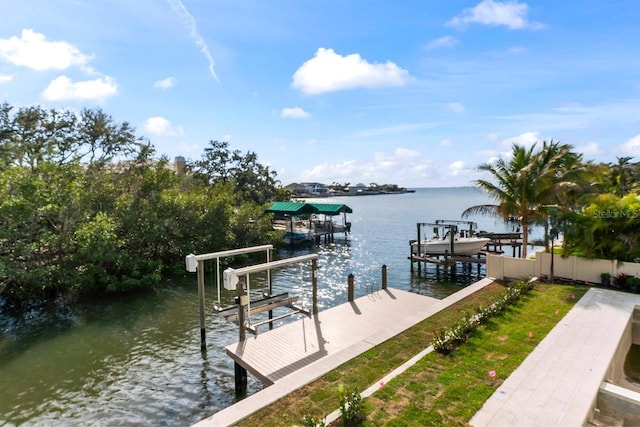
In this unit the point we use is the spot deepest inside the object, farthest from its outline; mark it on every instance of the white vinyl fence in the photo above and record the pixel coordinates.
(571, 268)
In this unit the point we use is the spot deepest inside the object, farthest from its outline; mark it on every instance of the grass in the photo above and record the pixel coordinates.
(438, 390)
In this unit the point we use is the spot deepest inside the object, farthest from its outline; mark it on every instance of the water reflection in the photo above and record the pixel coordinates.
(137, 360)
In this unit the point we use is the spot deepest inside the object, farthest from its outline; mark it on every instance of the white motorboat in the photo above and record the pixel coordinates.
(295, 230)
(461, 246)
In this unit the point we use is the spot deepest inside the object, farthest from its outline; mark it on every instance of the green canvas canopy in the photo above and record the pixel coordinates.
(331, 208)
(291, 208)
(299, 208)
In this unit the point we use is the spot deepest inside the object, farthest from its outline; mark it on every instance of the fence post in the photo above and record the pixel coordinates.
(350, 288)
(384, 276)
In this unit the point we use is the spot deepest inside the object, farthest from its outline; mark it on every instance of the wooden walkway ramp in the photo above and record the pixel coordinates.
(274, 354)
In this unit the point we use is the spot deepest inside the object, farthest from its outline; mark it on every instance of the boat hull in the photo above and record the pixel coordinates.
(461, 246)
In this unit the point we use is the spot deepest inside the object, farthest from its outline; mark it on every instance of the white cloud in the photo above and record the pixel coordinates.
(516, 50)
(487, 154)
(294, 113)
(328, 71)
(458, 168)
(402, 166)
(161, 126)
(455, 107)
(447, 143)
(190, 22)
(167, 83)
(312, 141)
(187, 148)
(33, 50)
(405, 153)
(63, 88)
(227, 137)
(5, 78)
(589, 149)
(632, 146)
(402, 128)
(511, 14)
(446, 41)
(526, 139)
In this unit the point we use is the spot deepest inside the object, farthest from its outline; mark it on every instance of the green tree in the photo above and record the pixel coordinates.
(606, 228)
(622, 174)
(216, 164)
(526, 182)
(86, 209)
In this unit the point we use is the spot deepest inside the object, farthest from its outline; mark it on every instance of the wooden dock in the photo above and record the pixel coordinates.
(272, 355)
(450, 260)
(326, 341)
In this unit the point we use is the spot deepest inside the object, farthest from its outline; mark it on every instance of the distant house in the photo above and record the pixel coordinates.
(297, 190)
(308, 189)
(357, 189)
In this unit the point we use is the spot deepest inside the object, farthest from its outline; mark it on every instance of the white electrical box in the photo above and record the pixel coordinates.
(191, 263)
(230, 279)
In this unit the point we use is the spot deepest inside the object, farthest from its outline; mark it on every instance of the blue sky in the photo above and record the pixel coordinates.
(416, 93)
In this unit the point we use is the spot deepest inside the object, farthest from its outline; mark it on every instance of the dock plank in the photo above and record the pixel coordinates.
(276, 353)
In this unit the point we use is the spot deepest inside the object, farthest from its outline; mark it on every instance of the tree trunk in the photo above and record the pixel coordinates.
(525, 239)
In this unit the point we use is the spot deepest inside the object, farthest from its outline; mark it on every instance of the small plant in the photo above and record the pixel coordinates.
(446, 340)
(441, 342)
(620, 281)
(351, 408)
(633, 284)
(311, 421)
(605, 279)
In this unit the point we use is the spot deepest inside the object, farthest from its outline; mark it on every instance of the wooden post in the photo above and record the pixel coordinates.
(452, 238)
(270, 287)
(446, 262)
(384, 276)
(241, 372)
(418, 251)
(350, 288)
(241, 379)
(203, 335)
(241, 304)
(314, 285)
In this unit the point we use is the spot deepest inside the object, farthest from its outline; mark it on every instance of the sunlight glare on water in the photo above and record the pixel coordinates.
(137, 360)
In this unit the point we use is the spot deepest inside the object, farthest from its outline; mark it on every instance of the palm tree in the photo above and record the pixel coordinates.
(526, 183)
(622, 174)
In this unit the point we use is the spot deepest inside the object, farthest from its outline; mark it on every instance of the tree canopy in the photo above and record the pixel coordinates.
(85, 208)
(595, 206)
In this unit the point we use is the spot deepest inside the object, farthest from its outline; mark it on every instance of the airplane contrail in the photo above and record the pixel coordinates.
(178, 6)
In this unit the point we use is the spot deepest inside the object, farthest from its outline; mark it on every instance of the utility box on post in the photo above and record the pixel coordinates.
(191, 263)
(230, 279)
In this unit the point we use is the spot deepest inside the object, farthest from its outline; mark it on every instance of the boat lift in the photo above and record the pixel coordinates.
(238, 278)
(449, 228)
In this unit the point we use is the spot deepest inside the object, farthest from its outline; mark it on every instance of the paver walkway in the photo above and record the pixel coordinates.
(558, 382)
(325, 346)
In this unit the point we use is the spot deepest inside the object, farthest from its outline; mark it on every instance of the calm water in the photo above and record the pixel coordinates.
(138, 360)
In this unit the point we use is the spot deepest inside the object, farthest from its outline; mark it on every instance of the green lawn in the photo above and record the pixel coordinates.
(438, 390)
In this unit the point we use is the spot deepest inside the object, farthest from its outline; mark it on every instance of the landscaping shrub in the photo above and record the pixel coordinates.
(446, 341)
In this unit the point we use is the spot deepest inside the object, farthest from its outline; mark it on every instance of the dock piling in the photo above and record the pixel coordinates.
(314, 285)
(350, 287)
(240, 371)
(203, 335)
(384, 276)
